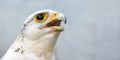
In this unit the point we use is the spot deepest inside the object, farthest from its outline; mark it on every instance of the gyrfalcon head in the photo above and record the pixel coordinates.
(43, 22)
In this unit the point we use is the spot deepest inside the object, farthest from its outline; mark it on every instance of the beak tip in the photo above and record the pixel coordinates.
(65, 19)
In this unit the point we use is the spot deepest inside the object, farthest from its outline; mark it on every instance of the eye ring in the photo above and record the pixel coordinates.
(41, 17)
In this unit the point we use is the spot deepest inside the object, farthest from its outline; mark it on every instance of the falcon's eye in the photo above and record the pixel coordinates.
(40, 17)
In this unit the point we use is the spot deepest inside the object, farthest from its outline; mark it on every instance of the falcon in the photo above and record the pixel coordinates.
(38, 37)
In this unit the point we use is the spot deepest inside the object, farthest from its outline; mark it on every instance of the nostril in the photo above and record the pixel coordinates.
(55, 14)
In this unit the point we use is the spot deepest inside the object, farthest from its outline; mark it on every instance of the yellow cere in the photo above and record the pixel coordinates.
(41, 17)
(53, 16)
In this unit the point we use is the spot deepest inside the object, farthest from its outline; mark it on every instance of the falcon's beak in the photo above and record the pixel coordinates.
(56, 22)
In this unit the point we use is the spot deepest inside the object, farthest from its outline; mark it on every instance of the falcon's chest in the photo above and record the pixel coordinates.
(10, 55)
(25, 49)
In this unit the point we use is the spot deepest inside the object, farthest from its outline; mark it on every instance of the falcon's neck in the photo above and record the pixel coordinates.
(40, 49)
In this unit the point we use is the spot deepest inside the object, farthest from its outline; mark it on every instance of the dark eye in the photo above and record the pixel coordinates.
(40, 17)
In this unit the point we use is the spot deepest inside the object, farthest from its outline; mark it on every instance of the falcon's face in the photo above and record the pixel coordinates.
(43, 22)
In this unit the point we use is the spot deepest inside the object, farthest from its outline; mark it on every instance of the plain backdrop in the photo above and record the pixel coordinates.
(92, 31)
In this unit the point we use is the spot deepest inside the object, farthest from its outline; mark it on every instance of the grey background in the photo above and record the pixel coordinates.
(92, 31)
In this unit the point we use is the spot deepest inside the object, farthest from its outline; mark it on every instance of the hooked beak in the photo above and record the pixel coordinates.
(56, 22)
